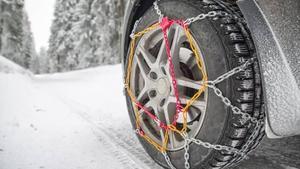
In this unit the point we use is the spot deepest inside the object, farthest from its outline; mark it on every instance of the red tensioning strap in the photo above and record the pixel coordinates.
(153, 117)
(165, 25)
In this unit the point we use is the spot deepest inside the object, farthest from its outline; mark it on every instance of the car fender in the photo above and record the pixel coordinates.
(275, 29)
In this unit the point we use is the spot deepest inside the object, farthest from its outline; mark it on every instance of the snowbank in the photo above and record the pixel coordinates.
(7, 66)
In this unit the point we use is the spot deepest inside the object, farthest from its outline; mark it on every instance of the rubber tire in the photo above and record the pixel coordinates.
(225, 44)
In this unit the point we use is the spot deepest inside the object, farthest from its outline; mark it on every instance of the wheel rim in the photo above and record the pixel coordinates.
(152, 84)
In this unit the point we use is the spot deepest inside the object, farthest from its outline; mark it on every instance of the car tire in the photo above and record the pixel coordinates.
(225, 43)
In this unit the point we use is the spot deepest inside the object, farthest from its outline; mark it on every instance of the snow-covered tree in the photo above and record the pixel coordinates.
(115, 17)
(61, 39)
(28, 45)
(11, 31)
(85, 33)
(43, 61)
(16, 39)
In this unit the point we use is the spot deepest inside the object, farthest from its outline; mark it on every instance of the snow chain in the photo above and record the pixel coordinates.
(165, 23)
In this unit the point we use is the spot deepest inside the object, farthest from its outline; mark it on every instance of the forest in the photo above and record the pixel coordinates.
(84, 33)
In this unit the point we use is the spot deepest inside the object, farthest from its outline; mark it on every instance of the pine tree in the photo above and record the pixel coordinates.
(11, 31)
(43, 61)
(85, 33)
(99, 31)
(87, 36)
(29, 53)
(61, 39)
(16, 39)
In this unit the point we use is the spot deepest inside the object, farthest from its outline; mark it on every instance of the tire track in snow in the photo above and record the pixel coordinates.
(132, 145)
(120, 155)
(126, 149)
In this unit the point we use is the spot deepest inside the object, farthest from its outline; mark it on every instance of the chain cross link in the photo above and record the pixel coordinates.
(235, 110)
(233, 71)
(200, 17)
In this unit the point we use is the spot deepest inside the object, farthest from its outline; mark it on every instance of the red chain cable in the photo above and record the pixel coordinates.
(165, 25)
(153, 117)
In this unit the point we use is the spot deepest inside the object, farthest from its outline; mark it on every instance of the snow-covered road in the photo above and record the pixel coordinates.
(73, 120)
(78, 120)
(95, 95)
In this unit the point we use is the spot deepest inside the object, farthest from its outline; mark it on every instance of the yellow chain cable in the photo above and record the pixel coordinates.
(162, 148)
(204, 78)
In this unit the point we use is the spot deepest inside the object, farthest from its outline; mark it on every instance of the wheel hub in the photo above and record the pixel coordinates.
(163, 86)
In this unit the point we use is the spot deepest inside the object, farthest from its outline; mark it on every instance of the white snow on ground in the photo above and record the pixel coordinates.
(75, 120)
(78, 120)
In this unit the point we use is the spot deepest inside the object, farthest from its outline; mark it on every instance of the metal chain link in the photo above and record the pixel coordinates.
(158, 11)
(245, 148)
(227, 102)
(245, 116)
(192, 19)
(240, 154)
(233, 71)
(168, 160)
(216, 146)
(186, 150)
(200, 17)
(134, 28)
(259, 126)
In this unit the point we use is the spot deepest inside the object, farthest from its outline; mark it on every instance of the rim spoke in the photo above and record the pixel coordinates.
(197, 103)
(149, 58)
(188, 56)
(190, 116)
(190, 60)
(142, 66)
(142, 95)
(173, 140)
(167, 113)
(147, 130)
(162, 53)
(188, 83)
(175, 46)
(177, 39)
(192, 64)
(147, 106)
(159, 115)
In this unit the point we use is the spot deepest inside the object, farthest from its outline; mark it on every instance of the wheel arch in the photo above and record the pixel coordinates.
(276, 60)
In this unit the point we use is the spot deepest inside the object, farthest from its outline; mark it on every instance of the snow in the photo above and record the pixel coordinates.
(277, 52)
(7, 66)
(72, 120)
(78, 120)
